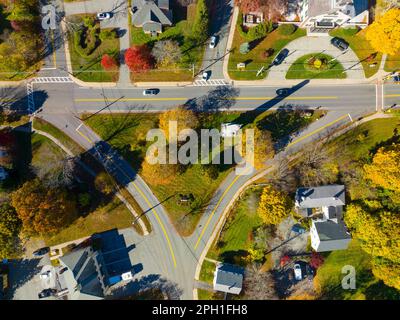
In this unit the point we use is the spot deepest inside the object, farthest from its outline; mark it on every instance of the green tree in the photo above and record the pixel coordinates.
(10, 227)
(201, 21)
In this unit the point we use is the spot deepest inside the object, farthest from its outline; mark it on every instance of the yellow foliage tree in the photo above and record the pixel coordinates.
(387, 271)
(384, 33)
(263, 148)
(384, 171)
(157, 174)
(274, 206)
(186, 119)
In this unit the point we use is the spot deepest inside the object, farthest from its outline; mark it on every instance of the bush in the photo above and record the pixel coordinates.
(244, 48)
(85, 42)
(287, 29)
(88, 22)
(267, 53)
(107, 34)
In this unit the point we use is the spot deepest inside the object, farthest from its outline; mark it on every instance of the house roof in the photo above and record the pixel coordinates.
(329, 230)
(318, 7)
(323, 196)
(228, 277)
(148, 11)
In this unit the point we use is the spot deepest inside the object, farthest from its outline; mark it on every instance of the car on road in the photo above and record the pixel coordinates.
(297, 272)
(46, 293)
(206, 75)
(339, 43)
(41, 252)
(280, 57)
(282, 92)
(213, 42)
(150, 92)
(396, 78)
(103, 15)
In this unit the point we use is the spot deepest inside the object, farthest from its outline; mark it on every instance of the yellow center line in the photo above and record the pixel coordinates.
(391, 95)
(130, 99)
(149, 204)
(317, 130)
(288, 98)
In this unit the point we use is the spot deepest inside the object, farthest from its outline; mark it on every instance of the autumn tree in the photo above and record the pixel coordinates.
(105, 183)
(159, 174)
(10, 226)
(185, 118)
(274, 206)
(108, 62)
(43, 209)
(384, 33)
(258, 285)
(138, 58)
(201, 21)
(263, 147)
(384, 171)
(167, 53)
(272, 9)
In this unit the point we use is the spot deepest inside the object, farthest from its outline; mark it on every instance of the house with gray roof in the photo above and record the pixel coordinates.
(324, 205)
(151, 15)
(228, 278)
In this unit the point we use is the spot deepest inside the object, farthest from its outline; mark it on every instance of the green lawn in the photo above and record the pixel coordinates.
(180, 32)
(235, 236)
(393, 63)
(207, 271)
(329, 276)
(362, 49)
(58, 134)
(301, 68)
(254, 60)
(89, 69)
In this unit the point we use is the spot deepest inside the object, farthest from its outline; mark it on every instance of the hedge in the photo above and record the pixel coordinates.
(254, 33)
(91, 42)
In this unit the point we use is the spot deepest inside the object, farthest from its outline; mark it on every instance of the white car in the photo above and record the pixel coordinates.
(103, 16)
(206, 75)
(150, 92)
(297, 272)
(213, 42)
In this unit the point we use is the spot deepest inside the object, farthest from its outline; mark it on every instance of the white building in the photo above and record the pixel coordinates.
(228, 278)
(229, 130)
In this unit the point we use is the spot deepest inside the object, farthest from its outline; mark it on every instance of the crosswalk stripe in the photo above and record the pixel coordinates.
(210, 82)
(52, 80)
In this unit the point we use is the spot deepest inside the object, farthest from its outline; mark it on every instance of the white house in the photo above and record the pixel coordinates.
(323, 15)
(229, 130)
(324, 205)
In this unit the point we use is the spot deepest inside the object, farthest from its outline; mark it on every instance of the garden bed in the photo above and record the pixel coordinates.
(316, 66)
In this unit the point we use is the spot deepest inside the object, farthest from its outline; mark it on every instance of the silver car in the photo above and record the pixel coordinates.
(213, 42)
(297, 272)
(103, 16)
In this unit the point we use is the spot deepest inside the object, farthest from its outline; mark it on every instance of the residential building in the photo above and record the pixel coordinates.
(324, 205)
(229, 130)
(228, 278)
(324, 15)
(151, 15)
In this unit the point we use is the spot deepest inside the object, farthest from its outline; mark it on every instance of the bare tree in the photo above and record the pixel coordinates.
(167, 52)
(258, 285)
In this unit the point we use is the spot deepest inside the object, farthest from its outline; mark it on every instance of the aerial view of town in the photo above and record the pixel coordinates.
(219, 151)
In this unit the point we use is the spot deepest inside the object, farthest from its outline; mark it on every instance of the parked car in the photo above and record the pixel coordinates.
(103, 15)
(41, 252)
(298, 228)
(213, 42)
(297, 272)
(150, 92)
(46, 293)
(282, 92)
(206, 75)
(280, 57)
(339, 43)
(396, 78)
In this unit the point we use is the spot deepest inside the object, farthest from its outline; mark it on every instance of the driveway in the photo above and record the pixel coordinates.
(307, 45)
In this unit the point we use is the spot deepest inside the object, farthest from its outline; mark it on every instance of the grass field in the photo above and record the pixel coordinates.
(243, 219)
(362, 49)
(329, 277)
(393, 63)
(207, 271)
(254, 60)
(301, 70)
(58, 134)
(89, 69)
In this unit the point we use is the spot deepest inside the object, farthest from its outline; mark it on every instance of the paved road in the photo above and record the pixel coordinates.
(221, 19)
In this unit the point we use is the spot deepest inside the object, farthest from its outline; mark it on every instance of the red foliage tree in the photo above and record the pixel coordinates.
(108, 62)
(138, 58)
(316, 260)
(285, 260)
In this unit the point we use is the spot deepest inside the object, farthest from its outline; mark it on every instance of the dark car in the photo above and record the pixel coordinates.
(396, 78)
(298, 229)
(339, 43)
(41, 252)
(282, 92)
(280, 57)
(46, 293)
